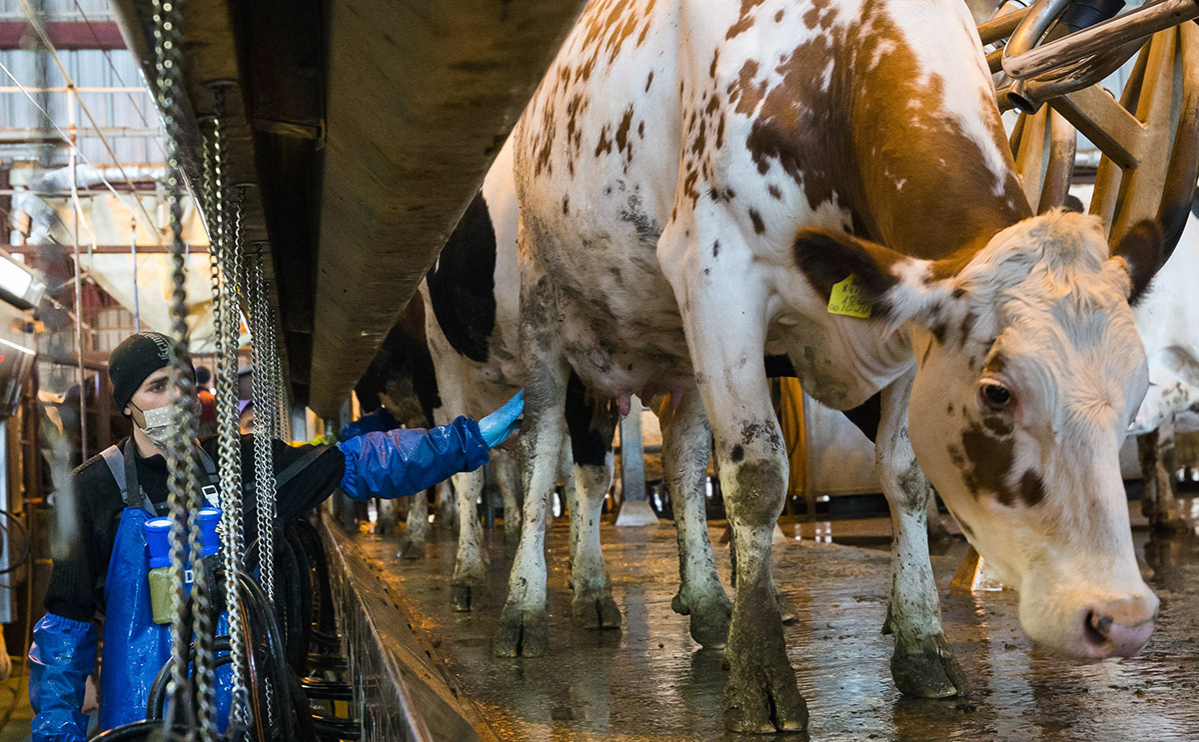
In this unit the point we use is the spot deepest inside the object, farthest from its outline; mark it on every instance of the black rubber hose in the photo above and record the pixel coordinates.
(158, 689)
(140, 731)
(25, 539)
(256, 604)
(1082, 14)
(326, 621)
(287, 604)
(303, 597)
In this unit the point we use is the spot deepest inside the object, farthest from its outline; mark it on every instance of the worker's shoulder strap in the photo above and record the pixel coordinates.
(299, 465)
(116, 464)
(119, 464)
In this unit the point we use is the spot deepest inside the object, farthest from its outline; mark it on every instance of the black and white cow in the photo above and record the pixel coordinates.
(471, 330)
(689, 174)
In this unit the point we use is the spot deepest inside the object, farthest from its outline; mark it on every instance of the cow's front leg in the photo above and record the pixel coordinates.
(416, 530)
(468, 587)
(923, 663)
(1156, 450)
(685, 449)
(724, 319)
(591, 423)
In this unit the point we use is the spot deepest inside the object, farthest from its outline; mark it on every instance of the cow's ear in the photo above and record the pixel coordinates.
(893, 285)
(1143, 250)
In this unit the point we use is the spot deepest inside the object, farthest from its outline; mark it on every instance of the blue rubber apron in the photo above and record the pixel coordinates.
(136, 648)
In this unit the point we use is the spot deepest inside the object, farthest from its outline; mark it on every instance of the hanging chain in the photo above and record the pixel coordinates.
(262, 343)
(184, 495)
(226, 328)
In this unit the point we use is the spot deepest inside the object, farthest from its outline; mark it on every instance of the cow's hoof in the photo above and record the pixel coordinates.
(709, 618)
(468, 595)
(764, 699)
(594, 609)
(927, 669)
(412, 544)
(787, 610)
(521, 633)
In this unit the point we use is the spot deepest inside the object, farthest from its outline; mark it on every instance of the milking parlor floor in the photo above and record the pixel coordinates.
(649, 681)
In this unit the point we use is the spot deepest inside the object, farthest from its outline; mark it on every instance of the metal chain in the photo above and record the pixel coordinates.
(226, 325)
(184, 496)
(265, 396)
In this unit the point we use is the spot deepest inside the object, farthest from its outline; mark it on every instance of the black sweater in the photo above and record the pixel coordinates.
(77, 581)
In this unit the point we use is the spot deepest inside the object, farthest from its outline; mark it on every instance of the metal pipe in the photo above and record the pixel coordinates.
(78, 288)
(137, 307)
(1029, 95)
(1022, 59)
(1001, 26)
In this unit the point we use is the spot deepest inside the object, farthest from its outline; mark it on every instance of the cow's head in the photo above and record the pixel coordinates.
(1030, 370)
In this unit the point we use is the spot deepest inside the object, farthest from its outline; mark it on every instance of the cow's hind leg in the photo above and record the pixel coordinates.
(507, 476)
(686, 445)
(523, 629)
(447, 507)
(468, 587)
(591, 423)
(416, 531)
(1156, 450)
(923, 663)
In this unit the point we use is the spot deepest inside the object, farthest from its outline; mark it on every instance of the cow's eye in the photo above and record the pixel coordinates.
(995, 395)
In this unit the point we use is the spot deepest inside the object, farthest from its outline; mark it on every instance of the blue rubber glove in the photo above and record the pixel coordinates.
(380, 419)
(497, 426)
(61, 657)
(397, 463)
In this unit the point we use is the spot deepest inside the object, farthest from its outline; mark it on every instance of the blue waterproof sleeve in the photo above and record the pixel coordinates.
(401, 462)
(380, 419)
(61, 657)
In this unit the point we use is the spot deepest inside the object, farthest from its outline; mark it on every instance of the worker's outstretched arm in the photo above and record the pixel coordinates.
(396, 463)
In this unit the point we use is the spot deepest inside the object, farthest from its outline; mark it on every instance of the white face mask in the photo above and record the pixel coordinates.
(159, 425)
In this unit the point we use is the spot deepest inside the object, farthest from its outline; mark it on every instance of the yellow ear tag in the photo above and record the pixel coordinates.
(848, 298)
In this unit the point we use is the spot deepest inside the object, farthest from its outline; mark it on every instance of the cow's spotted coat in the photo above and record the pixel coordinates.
(668, 260)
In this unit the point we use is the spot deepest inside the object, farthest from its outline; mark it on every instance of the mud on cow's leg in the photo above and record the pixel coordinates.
(507, 475)
(923, 663)
(591, 423)
(761, 694)
(415, 537)
(523, 629)
(468, 587)
(685, 449)
(1156, 450)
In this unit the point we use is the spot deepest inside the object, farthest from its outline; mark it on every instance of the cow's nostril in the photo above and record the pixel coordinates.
(1098, 628)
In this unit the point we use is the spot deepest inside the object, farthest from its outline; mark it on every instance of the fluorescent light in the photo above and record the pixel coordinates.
(21, 348)
(13, 278)
(18, 284)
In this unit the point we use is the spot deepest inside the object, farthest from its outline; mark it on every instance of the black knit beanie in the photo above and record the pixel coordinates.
(133, 360)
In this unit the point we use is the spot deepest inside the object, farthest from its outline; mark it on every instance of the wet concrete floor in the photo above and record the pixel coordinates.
(649, 681)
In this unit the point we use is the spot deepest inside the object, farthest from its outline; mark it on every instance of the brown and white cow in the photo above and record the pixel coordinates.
(689, 173)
